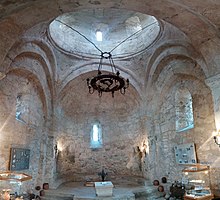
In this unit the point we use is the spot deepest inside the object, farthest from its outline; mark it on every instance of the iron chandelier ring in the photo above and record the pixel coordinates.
(104, 82)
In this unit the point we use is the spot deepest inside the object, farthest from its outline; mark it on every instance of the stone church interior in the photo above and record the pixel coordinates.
(109, 100)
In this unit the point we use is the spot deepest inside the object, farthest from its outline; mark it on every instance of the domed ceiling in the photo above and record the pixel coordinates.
(124, 33)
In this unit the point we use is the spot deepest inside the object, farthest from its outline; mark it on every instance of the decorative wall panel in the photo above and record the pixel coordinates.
(185, 154)
(19, 159)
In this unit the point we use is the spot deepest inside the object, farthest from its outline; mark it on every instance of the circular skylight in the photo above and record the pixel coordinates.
(121, 32)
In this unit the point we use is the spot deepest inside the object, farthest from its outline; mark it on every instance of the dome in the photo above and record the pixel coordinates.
(124, 33)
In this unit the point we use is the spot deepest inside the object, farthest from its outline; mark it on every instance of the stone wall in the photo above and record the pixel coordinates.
(19, 94)
(163, 135)
(43, 79)
(123, 132)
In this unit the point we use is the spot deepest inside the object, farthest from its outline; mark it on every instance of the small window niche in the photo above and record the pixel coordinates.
(98, 36)
(96, 136)
(184, 110)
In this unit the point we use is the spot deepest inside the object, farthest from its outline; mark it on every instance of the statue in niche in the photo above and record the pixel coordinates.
(136, 162)
(64, 156)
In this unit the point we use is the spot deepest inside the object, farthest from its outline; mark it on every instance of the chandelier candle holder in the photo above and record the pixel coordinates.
(108, 81)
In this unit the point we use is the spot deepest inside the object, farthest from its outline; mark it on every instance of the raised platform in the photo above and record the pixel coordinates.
(120, 192)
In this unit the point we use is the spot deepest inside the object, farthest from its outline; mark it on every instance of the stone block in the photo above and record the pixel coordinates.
(104, 189)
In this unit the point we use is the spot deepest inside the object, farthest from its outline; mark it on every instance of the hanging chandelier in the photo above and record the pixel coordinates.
(107, 82)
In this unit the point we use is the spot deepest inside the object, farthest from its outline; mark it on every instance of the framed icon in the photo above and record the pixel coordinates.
(185, 154)
(19, 159)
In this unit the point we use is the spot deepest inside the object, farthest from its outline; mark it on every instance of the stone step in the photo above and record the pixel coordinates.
(56, 195)
(106, 198)
(57, 198)
(148, 193)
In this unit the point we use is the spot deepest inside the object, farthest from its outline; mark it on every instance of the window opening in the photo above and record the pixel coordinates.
(184, 110)
(133, 25)
(99, 36)
(95, 133)
(96, 136)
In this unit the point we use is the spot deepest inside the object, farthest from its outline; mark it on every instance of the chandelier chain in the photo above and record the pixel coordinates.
(80, 34)
(131, 36)
(106, 82)
(95, 44)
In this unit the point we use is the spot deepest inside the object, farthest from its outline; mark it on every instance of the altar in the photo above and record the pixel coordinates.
(104, 189)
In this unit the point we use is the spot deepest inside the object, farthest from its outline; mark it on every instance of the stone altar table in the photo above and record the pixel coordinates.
(104, 189)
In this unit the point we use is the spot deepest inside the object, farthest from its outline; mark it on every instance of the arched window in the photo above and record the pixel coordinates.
(96, 136)
(99, 36)
(133, 25)
(184, 110)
